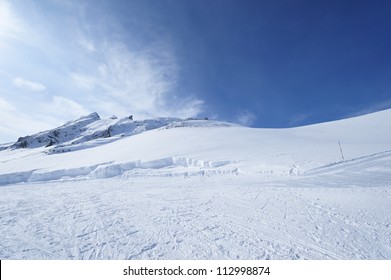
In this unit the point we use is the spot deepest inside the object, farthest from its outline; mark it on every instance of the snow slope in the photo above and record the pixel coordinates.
(196, 147)
(188, 189)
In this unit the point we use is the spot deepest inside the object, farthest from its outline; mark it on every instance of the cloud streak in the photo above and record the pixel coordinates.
(246, 118)
(62, 106)
(136, 82)
(28, 85)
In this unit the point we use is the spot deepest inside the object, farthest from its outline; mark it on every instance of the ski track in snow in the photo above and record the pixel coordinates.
(194, 218)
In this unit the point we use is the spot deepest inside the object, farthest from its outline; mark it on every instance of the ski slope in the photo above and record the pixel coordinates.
(198, 189)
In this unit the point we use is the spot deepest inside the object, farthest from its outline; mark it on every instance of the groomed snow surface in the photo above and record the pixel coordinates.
(198, 189)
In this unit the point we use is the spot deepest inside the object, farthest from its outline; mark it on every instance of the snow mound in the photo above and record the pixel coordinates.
(168, 167)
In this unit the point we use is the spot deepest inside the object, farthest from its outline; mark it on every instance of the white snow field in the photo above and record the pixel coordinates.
(198, 189)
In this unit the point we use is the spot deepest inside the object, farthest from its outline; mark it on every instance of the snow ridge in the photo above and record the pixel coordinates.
(170, 167)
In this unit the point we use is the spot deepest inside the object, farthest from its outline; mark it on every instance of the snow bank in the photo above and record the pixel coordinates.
(169, 167)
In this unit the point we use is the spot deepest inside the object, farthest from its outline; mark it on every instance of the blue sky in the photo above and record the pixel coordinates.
(258, 63)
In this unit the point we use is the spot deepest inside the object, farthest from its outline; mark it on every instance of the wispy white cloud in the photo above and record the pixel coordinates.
(136, 82)
(64, 107)
(87, 45)
(246, 118)
(6, 106)
(83, 81)
(190, 108)
(28, 85)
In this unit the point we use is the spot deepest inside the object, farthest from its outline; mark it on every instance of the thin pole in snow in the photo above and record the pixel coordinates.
(340, 149)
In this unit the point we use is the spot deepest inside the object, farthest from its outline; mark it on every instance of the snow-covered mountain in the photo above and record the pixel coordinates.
(172, 188)
(88, 128)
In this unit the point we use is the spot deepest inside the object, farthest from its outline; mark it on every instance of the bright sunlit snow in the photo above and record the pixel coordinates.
(168, 188)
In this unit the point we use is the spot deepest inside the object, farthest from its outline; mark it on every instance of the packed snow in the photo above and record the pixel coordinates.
(168, 188)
